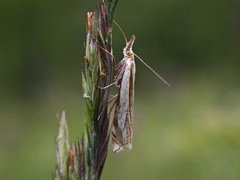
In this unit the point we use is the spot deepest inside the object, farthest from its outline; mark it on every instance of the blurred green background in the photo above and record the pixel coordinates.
(190, 131)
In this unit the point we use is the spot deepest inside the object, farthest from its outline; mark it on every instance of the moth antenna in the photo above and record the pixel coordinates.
(149, 67)
(106, 51)
(119, 27)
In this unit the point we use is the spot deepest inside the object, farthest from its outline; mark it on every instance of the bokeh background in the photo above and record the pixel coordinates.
(190, 131)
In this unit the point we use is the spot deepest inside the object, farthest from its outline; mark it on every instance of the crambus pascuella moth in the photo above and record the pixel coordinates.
(123, 116)
(122, 131)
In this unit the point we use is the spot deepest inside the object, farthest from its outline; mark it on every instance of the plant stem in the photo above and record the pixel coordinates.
(86, 158)
(99, 66)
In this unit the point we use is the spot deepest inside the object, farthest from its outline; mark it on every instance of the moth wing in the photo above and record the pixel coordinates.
(121, 109)
(124, 96)
(116, 132)
(123, 117)
(130, 115)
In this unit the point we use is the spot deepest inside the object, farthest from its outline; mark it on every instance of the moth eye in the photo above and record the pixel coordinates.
(129, 53)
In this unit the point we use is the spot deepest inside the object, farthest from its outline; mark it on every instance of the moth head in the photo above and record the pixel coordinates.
(128, 49)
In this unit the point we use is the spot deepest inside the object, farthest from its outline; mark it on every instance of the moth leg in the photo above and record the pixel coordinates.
(113, 98)
(118, 77)
(114, 83)
(111, 109)
(120, 73)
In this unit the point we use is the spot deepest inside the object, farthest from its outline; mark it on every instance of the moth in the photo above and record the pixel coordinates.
(123, 117)
(122, 130)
